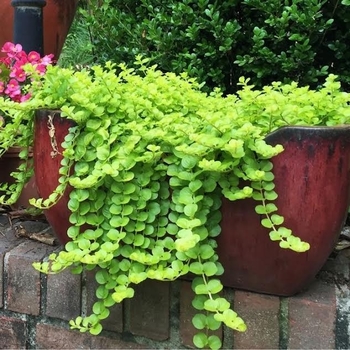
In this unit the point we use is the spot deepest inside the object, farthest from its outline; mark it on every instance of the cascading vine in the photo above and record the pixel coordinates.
(17, 134)
(148, 162)
(146, 199)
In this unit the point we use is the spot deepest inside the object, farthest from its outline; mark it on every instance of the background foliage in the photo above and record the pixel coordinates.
(219, 41)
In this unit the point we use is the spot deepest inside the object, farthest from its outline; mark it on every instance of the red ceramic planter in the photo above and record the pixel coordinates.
(312, 178)
(46, 168)
(58, 16)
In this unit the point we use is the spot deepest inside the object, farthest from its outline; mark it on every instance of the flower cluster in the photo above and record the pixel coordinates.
(13, 75)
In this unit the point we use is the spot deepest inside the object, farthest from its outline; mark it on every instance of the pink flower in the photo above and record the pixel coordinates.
(19, 74)
(25, 97)
(11, 49)
(13, 88)
(41, 69)
(46, 60)
(21, 56)
(13, 76)
(33, 56)
(6, 60)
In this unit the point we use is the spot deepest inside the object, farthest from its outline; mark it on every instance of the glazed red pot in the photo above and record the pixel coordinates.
(312, 178)
(46, 166)
(58, 16)
(9, 162)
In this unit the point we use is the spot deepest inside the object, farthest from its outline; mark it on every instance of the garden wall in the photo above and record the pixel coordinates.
(35, 310)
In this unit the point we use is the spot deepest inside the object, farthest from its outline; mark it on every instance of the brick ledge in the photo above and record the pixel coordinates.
(34, 309)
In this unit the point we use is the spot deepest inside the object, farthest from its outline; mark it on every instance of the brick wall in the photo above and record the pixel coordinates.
(35, 310)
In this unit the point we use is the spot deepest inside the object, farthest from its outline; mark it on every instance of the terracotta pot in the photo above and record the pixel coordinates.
(312, 178)
(58, 16)
(9, 162)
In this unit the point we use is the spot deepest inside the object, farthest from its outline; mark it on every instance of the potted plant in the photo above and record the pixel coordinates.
(16, 155)
(142, 165)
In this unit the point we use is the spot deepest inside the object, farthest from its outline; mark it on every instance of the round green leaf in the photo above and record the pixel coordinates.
(270, 195)
(210, 268)
(139, 240)
(200, 340)
(102, 292)
(284, 232)
(195, 185)
(73, 204)
(270, 207)
(266, 223)
(199, 321)
(190, 210)
(277, 219)
(214, 342)
(206, 251)
(211, 305)
(196, 268)
(198, 301)
(214, 286)
(118, 221)
(260, 209)
(102, 276)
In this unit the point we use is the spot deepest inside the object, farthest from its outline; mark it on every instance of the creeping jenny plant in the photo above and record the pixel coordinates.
(148, 162)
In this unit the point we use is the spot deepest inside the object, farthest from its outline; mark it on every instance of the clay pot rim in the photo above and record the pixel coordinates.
(297, 131)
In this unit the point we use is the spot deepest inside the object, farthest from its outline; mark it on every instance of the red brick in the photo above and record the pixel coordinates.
(5, 246)
(23, 281)
(187, 330)
(312, 317)
(63, 295)
(109, 343)
(149, 310)
(13, 333)
(54, 337)
(114, 322)
(260, 312)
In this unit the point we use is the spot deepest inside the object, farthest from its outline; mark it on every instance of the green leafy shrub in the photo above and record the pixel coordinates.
(218, 42)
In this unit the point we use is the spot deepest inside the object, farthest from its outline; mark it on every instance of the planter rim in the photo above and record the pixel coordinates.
(311, 127)
(285, 127)
(54, 110)
(301, 131)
